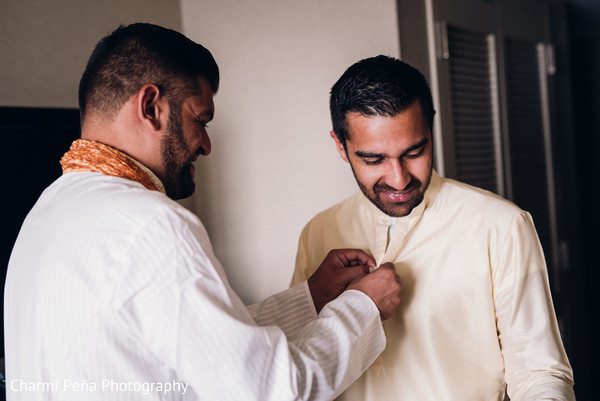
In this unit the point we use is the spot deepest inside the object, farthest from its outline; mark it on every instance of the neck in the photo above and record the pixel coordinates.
(85, 155)
(124, 131)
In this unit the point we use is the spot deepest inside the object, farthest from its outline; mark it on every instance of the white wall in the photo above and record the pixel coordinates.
(273, 164)
(45, 44)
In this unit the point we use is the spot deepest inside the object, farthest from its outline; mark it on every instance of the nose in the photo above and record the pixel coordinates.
(398, 176)
(205, 145)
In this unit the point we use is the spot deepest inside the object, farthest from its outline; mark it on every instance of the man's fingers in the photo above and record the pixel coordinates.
(383, 286)
(351, 273)
(388, 265)
(351, 257)
(388, 269)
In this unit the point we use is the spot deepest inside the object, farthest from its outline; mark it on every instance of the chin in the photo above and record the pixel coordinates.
(399, 210)
(185, 191)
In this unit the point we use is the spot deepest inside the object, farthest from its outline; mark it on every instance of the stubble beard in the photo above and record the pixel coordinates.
(392, 209)
(179, 182)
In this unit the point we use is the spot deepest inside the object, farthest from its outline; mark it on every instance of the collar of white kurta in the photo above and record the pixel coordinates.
(383, 242)
(97, 157)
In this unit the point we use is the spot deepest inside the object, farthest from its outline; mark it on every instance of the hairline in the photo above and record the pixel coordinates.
(346, 129)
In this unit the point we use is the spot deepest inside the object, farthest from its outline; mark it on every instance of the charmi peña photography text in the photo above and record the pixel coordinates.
(105, 385)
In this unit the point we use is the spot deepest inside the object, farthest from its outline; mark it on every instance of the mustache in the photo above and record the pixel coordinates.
(413, 184)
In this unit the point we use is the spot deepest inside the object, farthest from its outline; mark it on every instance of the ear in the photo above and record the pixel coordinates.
(340, 147)
(151, 106)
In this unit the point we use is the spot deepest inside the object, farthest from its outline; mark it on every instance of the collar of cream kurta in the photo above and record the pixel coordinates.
(85, 155)
(376, 223)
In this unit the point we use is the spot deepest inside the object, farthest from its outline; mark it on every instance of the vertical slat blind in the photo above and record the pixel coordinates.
(472, 108)
(527, 142)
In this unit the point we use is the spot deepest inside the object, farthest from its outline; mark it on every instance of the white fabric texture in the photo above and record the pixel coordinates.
(476, 311)
(113, 293)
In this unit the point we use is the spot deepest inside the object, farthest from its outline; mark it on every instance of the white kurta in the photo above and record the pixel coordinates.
(113, 293)
(476, 311)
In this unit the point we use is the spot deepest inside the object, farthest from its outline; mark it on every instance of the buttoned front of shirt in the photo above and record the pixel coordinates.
(476, 311)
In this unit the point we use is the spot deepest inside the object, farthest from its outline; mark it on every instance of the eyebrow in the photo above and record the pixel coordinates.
(412, 148)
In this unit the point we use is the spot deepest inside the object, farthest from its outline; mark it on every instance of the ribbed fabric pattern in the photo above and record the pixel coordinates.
(114, 293)
(275, 311)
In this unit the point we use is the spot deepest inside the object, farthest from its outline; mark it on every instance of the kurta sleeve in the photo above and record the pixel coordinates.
(196, 325)
(535, 361)
(290, 310)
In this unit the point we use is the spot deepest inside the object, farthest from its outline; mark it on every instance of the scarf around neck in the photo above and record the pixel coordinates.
(85, 155)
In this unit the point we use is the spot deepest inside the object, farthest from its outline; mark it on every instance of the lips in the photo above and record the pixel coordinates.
(394, 195)
(397, 197)
(193, 159)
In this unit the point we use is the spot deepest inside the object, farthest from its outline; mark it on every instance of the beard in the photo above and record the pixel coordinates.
(396, 209)
(179, 181)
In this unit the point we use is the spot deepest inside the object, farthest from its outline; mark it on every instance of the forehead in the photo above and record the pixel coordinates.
(406, 127)
(201, 101)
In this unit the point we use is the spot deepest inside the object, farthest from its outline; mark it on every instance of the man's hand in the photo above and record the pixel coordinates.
(339, 268)
(383, 287)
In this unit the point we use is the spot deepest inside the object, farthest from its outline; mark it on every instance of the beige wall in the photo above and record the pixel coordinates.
(273, 164)
(44, 44)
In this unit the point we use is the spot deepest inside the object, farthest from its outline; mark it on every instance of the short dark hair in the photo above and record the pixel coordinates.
(379, 85)
(139, 54)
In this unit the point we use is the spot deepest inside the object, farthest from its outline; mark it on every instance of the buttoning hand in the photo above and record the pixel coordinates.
(339, 268)
(383, 286)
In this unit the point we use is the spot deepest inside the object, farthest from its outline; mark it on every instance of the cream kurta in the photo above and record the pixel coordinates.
(113, 293)
(476, 309)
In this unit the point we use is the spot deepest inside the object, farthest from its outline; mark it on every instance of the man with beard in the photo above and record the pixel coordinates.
(477, 318)
(113, 290)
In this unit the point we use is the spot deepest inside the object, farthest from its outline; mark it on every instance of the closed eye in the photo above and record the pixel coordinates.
(415, 154)
(202, 124)
(372, 161)
(416, 150)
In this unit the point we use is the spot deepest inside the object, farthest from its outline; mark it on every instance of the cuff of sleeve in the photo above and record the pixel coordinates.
(303, 286)
(357, 306)
(355, 294)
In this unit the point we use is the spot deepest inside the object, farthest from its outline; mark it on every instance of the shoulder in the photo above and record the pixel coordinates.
(164, 220)
(456, 197)
(340, 212)
(476, 216)
(98, 200)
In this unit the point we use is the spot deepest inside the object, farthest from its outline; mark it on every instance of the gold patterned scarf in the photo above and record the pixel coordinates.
(94, 156)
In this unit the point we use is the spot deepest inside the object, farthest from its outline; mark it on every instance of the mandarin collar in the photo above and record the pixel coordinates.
(155, 180)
